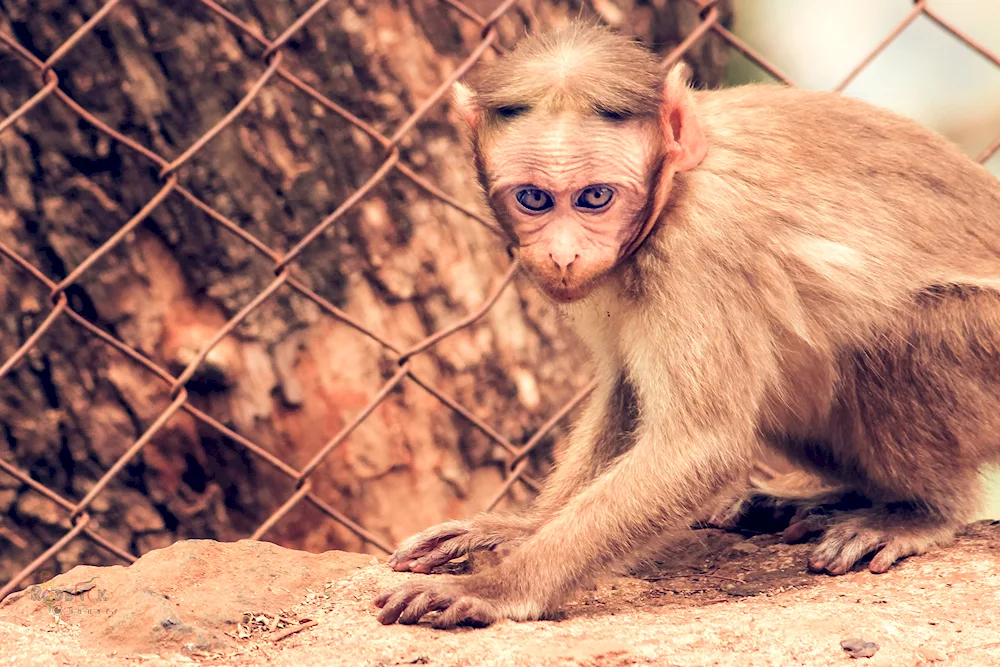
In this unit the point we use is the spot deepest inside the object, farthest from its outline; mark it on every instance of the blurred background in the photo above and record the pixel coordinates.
(247, 284)
(925, 73)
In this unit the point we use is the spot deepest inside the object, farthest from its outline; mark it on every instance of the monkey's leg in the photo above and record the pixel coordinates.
(891, 513)
(876, 521)
(603, 432)
(917, 415)
(655, 487)
(874, 518)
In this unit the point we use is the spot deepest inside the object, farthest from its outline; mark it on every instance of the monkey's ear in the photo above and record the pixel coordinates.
(465, 100)
(681, 128)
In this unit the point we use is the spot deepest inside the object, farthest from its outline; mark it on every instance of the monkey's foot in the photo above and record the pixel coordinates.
(460, 600)
(426, 552)
(848, 537)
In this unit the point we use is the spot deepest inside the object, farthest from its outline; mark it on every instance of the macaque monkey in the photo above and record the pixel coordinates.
(755, 268)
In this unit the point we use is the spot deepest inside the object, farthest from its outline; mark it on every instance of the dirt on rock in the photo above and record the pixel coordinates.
(189, 597)
(720, 599)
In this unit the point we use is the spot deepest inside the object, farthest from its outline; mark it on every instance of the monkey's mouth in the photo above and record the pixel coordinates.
(564, 291)
(565, 294)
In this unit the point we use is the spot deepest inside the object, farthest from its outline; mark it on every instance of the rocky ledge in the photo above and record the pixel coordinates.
(721, 600)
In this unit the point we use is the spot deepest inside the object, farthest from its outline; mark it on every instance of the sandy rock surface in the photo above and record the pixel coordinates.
(721, 600)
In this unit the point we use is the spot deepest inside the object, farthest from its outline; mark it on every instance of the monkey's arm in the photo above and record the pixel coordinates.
(701, 369)
(583, 457)
(653, 488)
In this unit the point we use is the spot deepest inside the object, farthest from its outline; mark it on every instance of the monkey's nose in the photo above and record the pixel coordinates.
(563, 261)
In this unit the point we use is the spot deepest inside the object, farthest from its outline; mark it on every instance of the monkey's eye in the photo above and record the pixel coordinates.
(534, 199)
(511, 111)
(611, 115)
(594, 197)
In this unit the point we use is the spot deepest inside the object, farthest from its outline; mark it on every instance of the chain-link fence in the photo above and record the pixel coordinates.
(78, 511)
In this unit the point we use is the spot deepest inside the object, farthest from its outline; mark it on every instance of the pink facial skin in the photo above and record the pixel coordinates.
(583, 185)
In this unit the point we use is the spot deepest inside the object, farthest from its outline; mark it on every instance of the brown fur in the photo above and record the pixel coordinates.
(579, 68)
(824, 284)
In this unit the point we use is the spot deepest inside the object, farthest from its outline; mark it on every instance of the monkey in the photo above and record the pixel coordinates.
(752, 269)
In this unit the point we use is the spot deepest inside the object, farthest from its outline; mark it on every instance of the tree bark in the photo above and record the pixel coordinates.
(289, 377)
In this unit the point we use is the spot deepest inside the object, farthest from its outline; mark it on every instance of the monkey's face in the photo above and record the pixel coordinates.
(573, 192)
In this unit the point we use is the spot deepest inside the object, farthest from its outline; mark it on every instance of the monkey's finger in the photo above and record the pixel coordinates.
(422, 543)
(422, 604)
(444, 553)
(852, 552)
(407, 552)
(827, 550)
(426, 565)
(384, 596)
(885, 559)
(893, 551)
(454, 614)
(401, 560)
(840, 550)
(802, 513)
(404, 565)
(800, 530)
(481, 615)
(396, 604)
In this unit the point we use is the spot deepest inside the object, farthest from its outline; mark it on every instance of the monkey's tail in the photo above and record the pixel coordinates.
(798, 485)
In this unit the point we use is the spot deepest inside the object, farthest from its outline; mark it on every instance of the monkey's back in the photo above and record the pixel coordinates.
(858, 202)
(845, 153)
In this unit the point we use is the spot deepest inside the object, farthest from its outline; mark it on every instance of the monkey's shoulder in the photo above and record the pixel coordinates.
(801, 150)
(809, 116)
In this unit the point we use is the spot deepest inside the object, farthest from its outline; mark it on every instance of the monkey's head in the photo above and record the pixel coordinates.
(577, 136)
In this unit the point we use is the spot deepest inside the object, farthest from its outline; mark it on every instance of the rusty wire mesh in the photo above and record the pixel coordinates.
(284, 270)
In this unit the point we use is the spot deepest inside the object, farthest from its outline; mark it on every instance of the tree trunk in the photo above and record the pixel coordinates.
(290, 376)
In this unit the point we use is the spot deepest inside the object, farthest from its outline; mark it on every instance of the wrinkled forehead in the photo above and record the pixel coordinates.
(557, 151)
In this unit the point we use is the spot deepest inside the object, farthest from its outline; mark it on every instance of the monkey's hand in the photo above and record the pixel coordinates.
(476, 601)
(439, 544)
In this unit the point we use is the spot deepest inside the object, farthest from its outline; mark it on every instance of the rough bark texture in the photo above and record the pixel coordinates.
(290, 377)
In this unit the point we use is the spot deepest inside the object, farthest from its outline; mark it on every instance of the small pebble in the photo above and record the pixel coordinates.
(859, 648)
(931, 654)
(745, 548)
